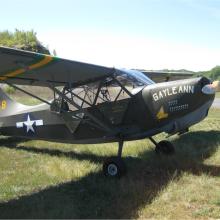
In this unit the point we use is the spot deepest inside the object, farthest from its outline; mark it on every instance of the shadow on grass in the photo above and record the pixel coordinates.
(94, 196)
(12, 143)
(8, 141)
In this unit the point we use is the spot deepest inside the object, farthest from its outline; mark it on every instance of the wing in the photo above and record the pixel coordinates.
(159, 76)
(28, 68)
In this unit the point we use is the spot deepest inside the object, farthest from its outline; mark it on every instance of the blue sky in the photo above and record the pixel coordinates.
(150, 34)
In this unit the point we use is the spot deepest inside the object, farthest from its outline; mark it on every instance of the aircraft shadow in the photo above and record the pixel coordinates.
(94, 196)
(12, 143)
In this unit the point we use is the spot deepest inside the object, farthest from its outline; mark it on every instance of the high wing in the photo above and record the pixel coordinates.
(28, 68)
(161, 76)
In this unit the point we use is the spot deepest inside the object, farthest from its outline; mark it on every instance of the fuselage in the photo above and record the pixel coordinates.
(164, 107)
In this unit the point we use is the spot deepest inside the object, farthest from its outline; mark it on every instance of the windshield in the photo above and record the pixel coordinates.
(135, 77)
(133, 80)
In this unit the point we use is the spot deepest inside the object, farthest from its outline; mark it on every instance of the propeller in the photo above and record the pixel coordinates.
(211, 88)
(216, 86)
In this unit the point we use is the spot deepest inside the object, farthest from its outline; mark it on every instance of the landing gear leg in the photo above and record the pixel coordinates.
(163, 147)
(115, 166)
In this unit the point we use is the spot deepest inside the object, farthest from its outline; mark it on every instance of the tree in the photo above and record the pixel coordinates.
(213, 74)
(25, 40)
(54, 52)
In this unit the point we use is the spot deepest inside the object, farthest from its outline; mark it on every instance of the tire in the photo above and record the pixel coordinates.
(114, 167)
(165, 147)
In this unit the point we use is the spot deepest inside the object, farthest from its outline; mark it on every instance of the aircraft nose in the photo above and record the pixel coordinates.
(180, 97)
(205, 92)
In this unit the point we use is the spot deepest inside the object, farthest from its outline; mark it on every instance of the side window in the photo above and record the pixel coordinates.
(84, 96)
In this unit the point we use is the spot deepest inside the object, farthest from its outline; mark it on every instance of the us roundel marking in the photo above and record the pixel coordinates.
(29, 124)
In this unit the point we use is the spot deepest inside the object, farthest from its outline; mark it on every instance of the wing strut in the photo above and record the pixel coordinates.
(28, 93)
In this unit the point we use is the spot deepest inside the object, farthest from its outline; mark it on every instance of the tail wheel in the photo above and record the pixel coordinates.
(165, 147)
(114, 167)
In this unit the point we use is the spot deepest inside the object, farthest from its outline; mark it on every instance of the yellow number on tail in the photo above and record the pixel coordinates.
(4, 104)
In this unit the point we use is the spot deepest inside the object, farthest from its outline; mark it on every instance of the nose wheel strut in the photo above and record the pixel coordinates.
(115, 166)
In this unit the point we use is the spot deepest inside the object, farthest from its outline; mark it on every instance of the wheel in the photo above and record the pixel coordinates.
(114, 167)
(165, 147)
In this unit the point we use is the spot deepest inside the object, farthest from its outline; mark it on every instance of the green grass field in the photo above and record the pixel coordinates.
(40, 179)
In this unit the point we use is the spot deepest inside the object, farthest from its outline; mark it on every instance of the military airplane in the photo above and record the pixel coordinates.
(97, 104)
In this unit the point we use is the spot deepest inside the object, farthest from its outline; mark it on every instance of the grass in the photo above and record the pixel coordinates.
(40, 179)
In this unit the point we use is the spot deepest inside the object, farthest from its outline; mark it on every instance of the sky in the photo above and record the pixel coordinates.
(143, 34)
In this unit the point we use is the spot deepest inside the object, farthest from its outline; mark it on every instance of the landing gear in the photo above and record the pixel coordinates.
(115, 166)
(163, 147)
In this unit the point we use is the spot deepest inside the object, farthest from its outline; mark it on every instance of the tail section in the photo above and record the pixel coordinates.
(8, 106)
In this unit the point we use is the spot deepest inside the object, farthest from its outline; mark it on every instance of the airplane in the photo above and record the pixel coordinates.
(97, 104)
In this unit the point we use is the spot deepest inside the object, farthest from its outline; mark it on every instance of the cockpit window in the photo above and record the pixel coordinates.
(133, 80)
(137, 77)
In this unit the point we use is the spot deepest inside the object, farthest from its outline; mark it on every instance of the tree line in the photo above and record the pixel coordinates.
(24, 40)
(213, 74)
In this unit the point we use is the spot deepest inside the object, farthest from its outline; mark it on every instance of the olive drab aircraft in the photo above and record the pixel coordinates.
(97, 104)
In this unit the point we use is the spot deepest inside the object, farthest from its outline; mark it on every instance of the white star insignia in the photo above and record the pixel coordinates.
(29, 124)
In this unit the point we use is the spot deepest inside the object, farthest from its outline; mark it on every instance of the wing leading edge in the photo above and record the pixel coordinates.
(28, 68)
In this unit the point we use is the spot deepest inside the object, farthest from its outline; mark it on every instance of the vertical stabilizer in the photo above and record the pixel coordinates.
(8, 106)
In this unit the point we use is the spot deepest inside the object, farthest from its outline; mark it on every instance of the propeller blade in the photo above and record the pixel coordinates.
(216, 86)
